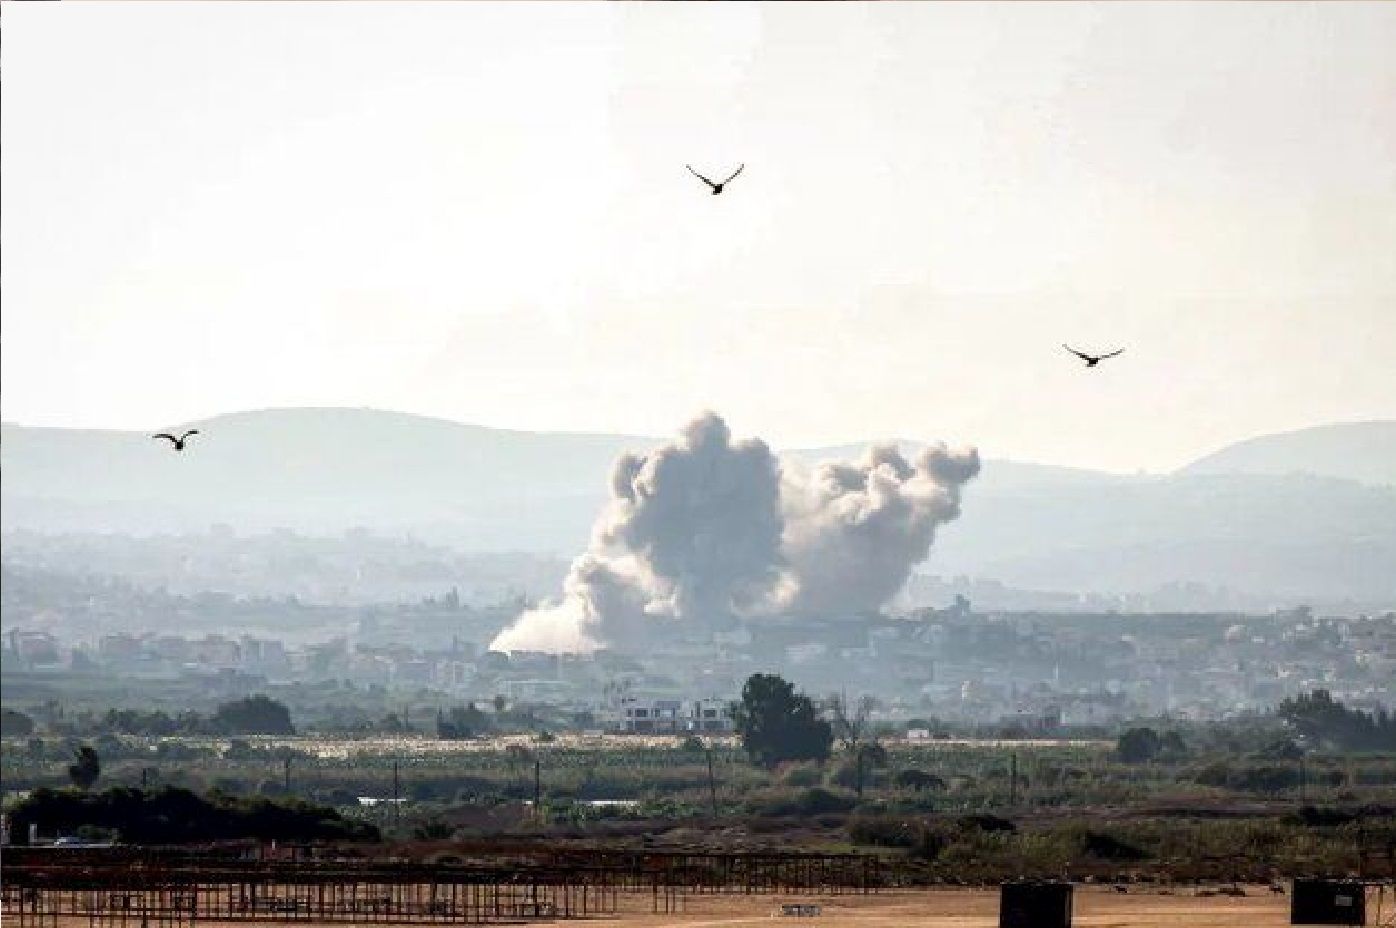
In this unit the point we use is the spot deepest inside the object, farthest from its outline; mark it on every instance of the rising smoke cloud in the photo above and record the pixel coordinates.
(854, 531)
(706, 530)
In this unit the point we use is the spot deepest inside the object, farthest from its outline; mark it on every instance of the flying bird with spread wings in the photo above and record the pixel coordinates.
(178, 443)
(717, 188)
(1092, 359)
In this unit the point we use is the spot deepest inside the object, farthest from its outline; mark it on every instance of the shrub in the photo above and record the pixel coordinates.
(806, 802)
(433, 831)
(883, 832)
(1108, 847)
(801, 775)
(918, 780)
(178, 816)
(985, 822)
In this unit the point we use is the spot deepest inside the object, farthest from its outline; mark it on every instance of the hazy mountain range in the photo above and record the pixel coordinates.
(1300, 514)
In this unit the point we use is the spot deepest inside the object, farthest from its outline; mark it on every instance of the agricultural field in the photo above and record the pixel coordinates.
(937, 776)
(952, 812)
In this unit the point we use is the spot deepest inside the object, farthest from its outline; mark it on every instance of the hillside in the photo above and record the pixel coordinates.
(1361, 451)
(312, 470)
(1279, 532)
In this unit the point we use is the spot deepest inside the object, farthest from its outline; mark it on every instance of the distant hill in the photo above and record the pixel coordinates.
(1361, 451)
(1259, 521)
(323, 469)
(313, 469)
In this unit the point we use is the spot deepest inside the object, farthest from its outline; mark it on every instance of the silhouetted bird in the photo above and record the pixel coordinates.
(717, 188)
(1092, 359)
(177, 442)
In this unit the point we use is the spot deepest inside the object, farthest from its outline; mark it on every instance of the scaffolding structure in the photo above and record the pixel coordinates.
(141, 888)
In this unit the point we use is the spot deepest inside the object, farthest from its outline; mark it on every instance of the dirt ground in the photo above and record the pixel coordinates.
(1094, 907)
(969, 908)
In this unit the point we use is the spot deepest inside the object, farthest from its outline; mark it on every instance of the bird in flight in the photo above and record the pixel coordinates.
(177, 442)
(717, 188)
(1092, 359)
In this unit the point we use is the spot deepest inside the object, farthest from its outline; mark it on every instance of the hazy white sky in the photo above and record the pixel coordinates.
(480, 212)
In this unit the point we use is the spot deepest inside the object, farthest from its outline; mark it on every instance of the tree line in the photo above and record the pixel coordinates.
(1322, 720)
(175, 816)
(252, 715)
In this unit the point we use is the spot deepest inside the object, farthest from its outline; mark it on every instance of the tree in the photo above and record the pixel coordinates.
(1138, 746)
(15, 724)
(777, 724)
(852, 727)
(1320, 718)
(1172, 747)
(255, 715)
(851, 722)
(461, 723)
(85, 769)
(178, 816)
(517, 758)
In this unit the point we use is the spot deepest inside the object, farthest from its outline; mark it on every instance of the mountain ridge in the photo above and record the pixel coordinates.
(1364, 451)
(476, 488)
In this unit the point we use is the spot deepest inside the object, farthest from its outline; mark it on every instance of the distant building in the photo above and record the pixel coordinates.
(651, 716)
(1035, 721)
(120, 647)
(35, 648)
(536, 691)
(710, 716)
(639, 715)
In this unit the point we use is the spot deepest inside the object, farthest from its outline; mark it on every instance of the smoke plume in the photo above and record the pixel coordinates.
(853, 532)
(706, 530)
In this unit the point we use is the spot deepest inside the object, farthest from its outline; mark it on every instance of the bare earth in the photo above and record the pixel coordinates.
(969, 908)
(936, 908)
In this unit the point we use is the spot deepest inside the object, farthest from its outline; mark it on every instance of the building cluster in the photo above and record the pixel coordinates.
(1035, 672)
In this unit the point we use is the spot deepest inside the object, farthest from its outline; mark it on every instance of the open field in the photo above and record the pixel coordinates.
(972, 908)
(940, 908)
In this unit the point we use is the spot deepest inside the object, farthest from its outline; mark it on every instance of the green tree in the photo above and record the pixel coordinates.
(1172, 747)
(461, 723)
(1322, 719)
(85, 769)
(255, 715)
(1138, 746)
(777, 724)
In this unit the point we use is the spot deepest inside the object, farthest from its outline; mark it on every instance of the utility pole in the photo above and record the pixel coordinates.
(397, 797)
(286, 774)
(1302, 790)
(1013, 780)
(712, 783)
(537, 788)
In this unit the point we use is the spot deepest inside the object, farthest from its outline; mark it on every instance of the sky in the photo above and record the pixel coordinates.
(481, 212)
